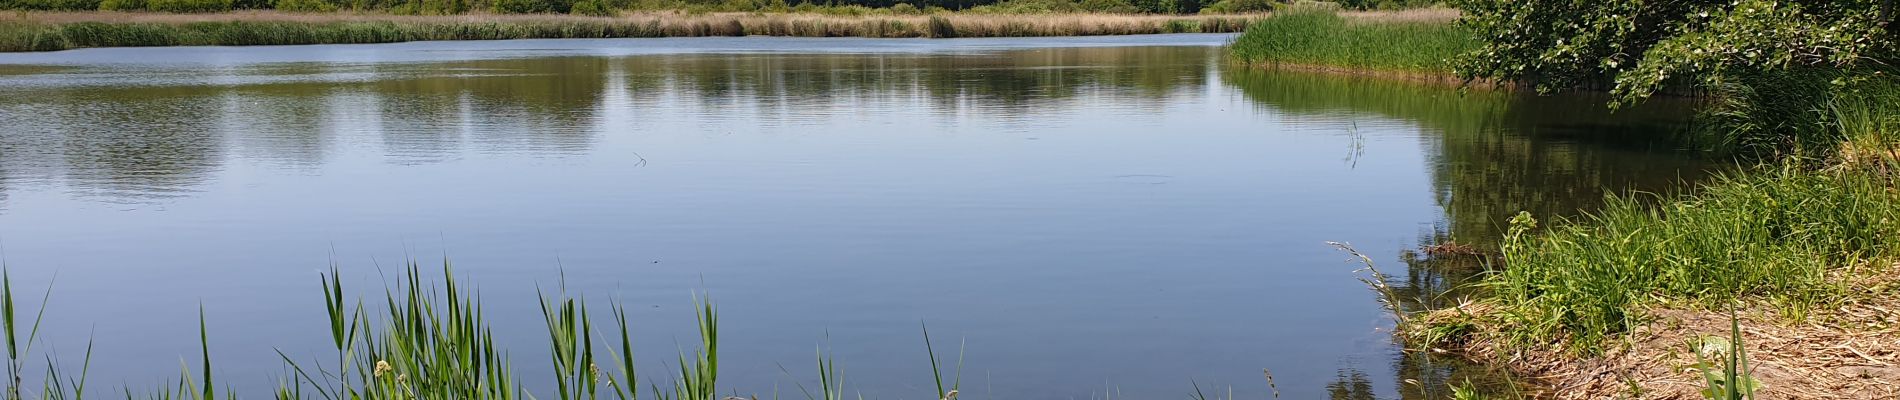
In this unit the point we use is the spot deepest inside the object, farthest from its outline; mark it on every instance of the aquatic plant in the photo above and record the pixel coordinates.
(1318, 37)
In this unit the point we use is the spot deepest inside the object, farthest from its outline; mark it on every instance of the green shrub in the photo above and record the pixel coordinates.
(905, 9)
(122, 5)
(444, 7)
(304, 6)
(1168, 6)
(1108, 6)
(1239, 6)
(597, 8)
(850, 10)
(1645, 46)
(532, 6)
(53, 5)
(188, 6)
(1029, 7)
(1386, 4)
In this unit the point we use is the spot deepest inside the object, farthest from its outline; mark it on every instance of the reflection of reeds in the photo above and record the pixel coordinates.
(65, 30)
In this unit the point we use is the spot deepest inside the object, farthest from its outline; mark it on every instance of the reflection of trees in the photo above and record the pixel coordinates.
(140, 145)
(138, 141)
(1004, 83)
(277, 122)
(1350, 384)
(1491, 155)
(509, 105)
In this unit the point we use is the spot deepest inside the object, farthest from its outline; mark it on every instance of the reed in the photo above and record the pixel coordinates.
(65, 30)
(57, 384)
(1414, 41)
(429, 339)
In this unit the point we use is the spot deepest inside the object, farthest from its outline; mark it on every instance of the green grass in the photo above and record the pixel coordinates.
(1773, 234)
(1783, 232)
(1318, 37)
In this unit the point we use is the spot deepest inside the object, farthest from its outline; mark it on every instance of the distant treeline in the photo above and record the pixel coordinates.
(608, 7)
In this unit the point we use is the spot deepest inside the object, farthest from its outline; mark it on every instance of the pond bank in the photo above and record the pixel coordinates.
(1628, 301)
(1849, 352)
(51, 31)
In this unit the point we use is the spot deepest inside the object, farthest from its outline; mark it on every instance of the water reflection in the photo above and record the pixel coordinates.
(1493, 154)
(146, 143)
(1201, 203)
(1490, 155)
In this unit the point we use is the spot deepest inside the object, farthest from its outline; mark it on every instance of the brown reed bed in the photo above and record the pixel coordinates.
(46, 31)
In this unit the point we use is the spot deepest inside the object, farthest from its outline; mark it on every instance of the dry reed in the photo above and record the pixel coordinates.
(41, 31)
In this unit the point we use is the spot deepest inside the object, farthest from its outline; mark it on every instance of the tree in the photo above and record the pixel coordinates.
(1642, 46)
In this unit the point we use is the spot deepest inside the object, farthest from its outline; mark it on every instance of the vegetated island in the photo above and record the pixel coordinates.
(1776, 281)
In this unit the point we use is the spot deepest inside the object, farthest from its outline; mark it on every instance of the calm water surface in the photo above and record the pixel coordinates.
(1099, 215)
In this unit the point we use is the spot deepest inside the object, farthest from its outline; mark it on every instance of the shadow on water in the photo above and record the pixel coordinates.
(1490, 155)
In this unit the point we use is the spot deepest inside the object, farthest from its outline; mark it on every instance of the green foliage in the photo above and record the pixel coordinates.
(51, 5)
(1320, 37)
(1644, 47)
(598, 8)
(122, 5)
(57, 385)
(531, 6)
(1773, 233)
(1029, 7)
(445, 7)
(1240, 6)
(1167, 6)
(1723, 364)
(1386, 4)
(188, 6)
(1107, 6)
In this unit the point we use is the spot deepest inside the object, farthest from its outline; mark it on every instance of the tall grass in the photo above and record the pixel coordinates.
(1775, 234)
(1322, 38)
(1785, 231)
(57, 384)
(48, 32)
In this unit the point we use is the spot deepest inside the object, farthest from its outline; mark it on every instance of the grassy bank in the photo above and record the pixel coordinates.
(1803, 246)
(1418, 41)
(1627, 300)
(60, 31)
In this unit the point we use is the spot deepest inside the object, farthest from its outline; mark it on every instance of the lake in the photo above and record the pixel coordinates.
(1126, 217)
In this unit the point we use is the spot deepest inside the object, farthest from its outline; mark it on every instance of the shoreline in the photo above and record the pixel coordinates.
(1569, 314)
(53, 31)
(1848, 352)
